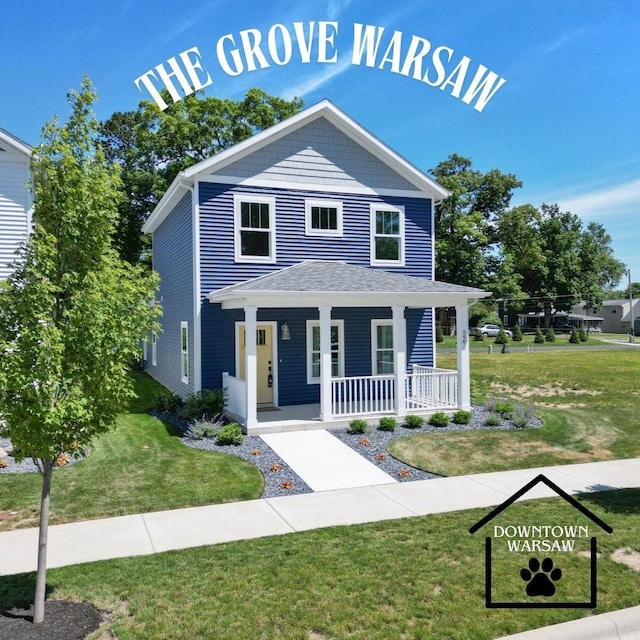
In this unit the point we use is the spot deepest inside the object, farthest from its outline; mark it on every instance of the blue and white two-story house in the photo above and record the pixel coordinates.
(297, 272)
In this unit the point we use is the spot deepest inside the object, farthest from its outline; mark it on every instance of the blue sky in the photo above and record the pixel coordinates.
(566, 121)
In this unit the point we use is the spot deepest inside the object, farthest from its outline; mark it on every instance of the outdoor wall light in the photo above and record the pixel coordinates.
(285, 333)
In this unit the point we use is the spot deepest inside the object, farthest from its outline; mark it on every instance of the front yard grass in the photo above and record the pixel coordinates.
(140, 466)
(587, 400)
(416, 578)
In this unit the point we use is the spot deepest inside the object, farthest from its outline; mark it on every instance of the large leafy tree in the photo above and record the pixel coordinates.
(153, 146)
(557, 259)
(465, 222)
(73, 314)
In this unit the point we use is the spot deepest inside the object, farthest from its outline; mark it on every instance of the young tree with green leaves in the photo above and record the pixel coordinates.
(153, 146)
(73, 314)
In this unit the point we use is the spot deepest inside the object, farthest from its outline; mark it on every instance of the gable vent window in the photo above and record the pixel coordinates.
(387, 235)
(255, 229)
(323, 218)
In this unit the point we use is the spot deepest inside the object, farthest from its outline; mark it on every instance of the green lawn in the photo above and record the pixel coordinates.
(587, 400)
(417, 578)
(140, 466)
(562, 340)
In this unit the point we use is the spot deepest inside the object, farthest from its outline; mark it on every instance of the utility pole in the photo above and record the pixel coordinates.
(632, 331)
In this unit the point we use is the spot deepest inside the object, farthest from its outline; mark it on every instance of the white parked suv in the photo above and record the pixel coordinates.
(489, 331)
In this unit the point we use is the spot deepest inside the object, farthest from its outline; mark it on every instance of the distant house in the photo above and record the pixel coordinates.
(297, 272)
(616, 315)
(15, 198)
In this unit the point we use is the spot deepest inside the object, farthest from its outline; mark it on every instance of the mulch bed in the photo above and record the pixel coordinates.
(62, 621)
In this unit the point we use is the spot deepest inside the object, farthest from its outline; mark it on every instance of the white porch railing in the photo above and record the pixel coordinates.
(431, 388)
(426, 388)
(362, 395)
(236, 395)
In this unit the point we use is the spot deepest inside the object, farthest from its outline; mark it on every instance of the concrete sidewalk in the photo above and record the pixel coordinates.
(155, 532)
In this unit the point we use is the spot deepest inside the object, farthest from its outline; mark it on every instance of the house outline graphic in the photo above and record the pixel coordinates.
(541, 478)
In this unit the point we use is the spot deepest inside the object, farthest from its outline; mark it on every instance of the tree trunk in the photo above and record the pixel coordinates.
(41, 576)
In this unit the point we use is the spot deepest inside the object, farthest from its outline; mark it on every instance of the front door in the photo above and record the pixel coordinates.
(264, 360)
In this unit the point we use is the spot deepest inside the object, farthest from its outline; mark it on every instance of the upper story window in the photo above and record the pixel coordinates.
(387, 235)
(323, 218)
(255, 228)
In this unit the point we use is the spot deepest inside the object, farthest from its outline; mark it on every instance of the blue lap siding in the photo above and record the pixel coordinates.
(218, 269)
(173, 261)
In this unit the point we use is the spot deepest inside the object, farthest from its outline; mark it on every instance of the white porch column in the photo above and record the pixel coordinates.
(250, 366)
(400, 358)
(464, 378)
(325, 363)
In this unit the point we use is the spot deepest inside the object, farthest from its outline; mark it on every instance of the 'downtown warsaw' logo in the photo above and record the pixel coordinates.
(536, 565)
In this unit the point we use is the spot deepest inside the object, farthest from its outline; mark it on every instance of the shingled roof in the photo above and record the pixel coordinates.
(343, 284)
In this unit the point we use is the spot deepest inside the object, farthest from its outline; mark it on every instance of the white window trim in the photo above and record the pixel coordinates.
(372, 244)
(184, 353)
(154, 349)
(374, 346)
(144, 350)
(332, 233)
(316, 323)
(238, 199)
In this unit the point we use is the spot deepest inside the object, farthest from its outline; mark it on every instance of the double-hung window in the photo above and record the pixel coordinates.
(387, 235)
(184, 352)
(255, 228)
(382, 347)
(314, 353)
(323, 218)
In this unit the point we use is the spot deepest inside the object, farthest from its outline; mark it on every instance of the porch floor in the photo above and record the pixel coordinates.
(299, 417)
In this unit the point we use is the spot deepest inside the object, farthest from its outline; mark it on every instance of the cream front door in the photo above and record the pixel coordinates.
(264, 358)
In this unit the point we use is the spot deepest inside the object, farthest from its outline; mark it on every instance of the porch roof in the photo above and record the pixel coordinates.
(315, 283)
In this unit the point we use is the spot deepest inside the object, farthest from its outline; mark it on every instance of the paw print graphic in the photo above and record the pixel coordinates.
(540, 578)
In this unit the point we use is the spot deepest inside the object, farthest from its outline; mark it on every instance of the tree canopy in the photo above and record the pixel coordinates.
(153, 146)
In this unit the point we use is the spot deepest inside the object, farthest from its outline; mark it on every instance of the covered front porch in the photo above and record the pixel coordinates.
(391, 386)
(427, 389)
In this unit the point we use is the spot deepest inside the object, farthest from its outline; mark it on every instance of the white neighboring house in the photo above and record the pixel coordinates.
(16, 200)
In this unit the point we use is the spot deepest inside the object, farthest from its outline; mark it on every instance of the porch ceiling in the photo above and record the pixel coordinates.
(315, 283)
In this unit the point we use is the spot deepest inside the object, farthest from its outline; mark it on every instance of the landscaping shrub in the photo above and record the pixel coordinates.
(504, 408)
(551, 335)
(522, 415)
(501, 338)
(462, 417)
(439, 419)
(517, 334)
(168, 402)
(229, 434)
(539, 339)
(387, 424)
(413, 422)
(478, 337)
(492, 420)
(202, 429)
(439, 334)
(358, 425)
(206, 404)
(583, 335)
(574, 338)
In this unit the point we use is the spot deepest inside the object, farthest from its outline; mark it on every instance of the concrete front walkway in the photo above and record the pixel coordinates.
(324, 462)
(149, 533)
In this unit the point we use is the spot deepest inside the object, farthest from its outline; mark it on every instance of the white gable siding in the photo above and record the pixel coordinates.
(15, 205)
(317, 153)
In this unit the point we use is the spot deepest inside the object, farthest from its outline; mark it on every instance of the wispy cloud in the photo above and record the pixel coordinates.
(313, 82)
(561, 41)
(615, 200)
(336, 8)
